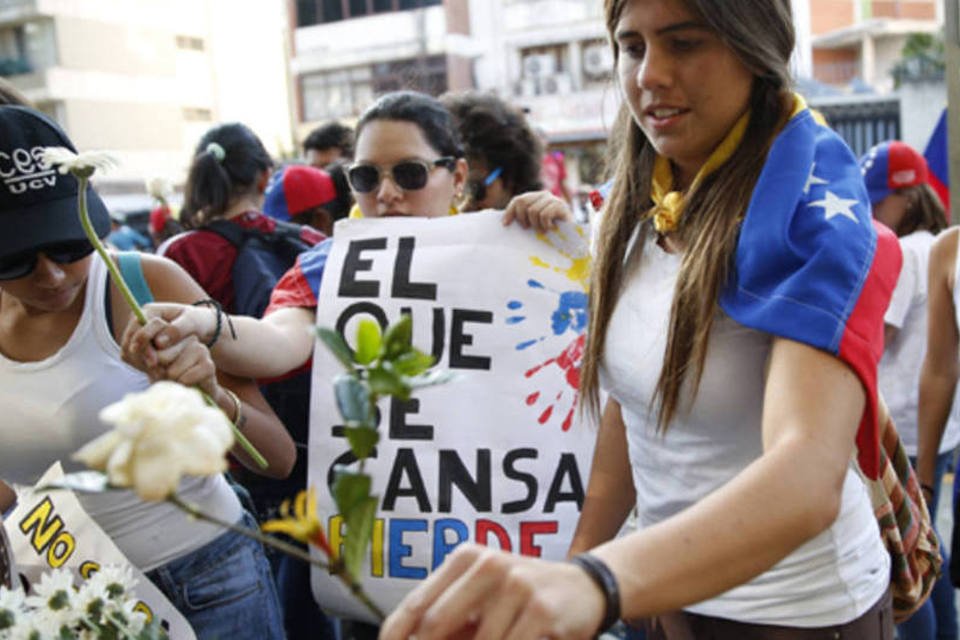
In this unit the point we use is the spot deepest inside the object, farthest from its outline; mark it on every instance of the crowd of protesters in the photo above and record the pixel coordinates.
(750, 329)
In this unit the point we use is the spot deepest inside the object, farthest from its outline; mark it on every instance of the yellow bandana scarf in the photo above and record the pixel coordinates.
(668, 204)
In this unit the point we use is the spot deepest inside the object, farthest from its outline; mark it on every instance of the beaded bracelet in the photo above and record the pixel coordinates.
(600, 573)
(218, 312)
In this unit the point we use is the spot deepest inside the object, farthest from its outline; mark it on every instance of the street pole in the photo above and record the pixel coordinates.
(951, 15)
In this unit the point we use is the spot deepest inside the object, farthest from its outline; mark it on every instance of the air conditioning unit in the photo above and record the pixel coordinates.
(597, 60)
(526, 87)
(539, 65)
(558, 83)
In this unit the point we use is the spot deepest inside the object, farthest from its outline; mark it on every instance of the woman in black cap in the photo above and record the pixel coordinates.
(60, 320)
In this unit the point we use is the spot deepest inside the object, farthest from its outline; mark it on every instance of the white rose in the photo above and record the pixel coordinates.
(160, 435)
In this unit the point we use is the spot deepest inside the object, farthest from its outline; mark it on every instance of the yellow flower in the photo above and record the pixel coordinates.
(303, 524)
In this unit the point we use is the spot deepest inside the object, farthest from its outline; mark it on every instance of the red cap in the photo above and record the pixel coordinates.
(890, 166)
(296, 188)
(158, 218)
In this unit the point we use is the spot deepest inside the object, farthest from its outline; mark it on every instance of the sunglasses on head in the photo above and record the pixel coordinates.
(23, 264)
(478, 188)
(409, 175)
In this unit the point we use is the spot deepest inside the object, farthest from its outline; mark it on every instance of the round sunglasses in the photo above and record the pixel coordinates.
(22, 264)
(409, 175)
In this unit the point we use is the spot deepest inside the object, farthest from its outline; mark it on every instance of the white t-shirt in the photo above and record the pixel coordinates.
(899, 374)
(831, 579)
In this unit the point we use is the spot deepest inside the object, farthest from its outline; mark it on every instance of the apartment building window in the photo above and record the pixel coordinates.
(428, 75)
(544, 71)
(335, 94)
(190, 43)
(311, 12)
(13, 52)
(347, 92)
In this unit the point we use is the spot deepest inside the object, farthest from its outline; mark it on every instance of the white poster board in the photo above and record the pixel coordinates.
(500, 456)
(50, 530)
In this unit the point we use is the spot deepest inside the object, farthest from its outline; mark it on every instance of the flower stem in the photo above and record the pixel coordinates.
(237, 434)
(121, 284)
(336, 568)
(102, 251)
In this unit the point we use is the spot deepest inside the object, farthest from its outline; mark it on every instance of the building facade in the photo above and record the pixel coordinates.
(146, 78)
(861, 40)
(344, 53)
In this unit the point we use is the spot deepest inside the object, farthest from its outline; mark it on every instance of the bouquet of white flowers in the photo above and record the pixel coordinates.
(101, 607)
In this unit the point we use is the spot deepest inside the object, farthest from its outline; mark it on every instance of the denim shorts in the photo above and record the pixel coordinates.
(224, 589)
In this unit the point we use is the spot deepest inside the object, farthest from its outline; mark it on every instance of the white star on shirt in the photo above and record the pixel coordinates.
(834, 205)
(812, 180)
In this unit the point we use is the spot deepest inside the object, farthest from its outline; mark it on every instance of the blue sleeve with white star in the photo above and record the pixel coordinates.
(810, 266)
(807, 241)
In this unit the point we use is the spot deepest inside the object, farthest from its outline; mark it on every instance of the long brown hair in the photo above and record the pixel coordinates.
(761, 35)
(924, 211)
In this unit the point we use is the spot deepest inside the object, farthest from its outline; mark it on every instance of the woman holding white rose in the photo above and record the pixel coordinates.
(60, 321)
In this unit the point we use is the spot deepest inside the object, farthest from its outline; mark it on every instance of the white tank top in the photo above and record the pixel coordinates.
(50, 410)
(833, 578)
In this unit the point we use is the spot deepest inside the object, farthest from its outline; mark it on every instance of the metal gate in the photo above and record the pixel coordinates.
(865, 123)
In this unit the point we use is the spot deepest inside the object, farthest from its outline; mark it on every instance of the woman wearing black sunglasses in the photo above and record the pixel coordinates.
(60, 325)
(408, 162)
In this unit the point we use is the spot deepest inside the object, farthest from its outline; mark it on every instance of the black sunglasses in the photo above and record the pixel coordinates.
(409, 175)
(478, 188)
(21, 264)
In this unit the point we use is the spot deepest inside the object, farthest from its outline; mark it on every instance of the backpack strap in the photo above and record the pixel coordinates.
(132, 271)
(232, 232)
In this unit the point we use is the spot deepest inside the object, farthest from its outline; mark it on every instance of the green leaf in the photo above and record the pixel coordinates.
(337, 346)
(396, 341)
(359, 532)
(413, 363)
(362, 441)
(353, 400)
(431, 379)
(368, 341)
(350, 488)
(384, 381)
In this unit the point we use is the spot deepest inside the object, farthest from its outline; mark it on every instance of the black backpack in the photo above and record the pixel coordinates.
(262, 259)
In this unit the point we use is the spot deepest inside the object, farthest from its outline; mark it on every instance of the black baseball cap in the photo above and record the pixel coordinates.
(38, 204)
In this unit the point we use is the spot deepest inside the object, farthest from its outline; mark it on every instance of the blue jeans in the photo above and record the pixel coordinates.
(937, 618)
(224, 589)
(302, 616)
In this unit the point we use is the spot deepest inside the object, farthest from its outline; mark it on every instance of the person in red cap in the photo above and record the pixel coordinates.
(162, 224)
(896, 177)
(300, 194)
(897, 180)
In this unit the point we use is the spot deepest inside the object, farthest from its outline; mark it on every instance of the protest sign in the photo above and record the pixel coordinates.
(498, 457)
(50, 530)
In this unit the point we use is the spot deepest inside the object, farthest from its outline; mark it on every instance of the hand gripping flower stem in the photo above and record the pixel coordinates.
(82, 166)
(305, 528)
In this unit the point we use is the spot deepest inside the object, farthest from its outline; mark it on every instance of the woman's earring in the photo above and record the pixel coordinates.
(456, 203)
